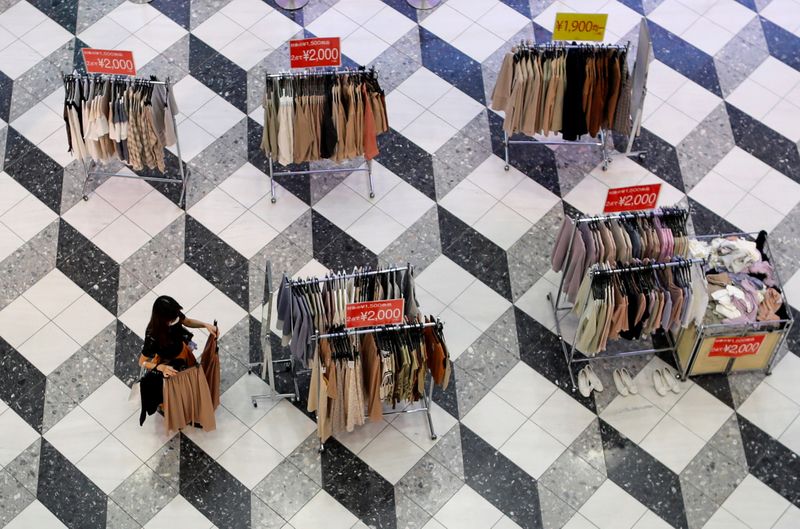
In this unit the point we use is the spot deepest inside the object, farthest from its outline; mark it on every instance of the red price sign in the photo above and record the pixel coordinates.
(114, 62)
(736, 346)
(371, 313)
(632, 198)
(310, 53)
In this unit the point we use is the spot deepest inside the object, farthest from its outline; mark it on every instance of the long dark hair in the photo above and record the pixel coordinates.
(165, 311)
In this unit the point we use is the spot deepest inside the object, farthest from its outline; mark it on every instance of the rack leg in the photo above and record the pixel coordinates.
(84, 192)
(272, 198)
(505, 148)
(428, 398)
(604, 148)
(369, 178)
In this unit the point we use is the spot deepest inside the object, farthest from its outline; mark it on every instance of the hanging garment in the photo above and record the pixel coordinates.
(209, 361)
(187, 401)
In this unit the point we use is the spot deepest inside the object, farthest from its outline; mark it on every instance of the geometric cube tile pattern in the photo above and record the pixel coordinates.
(516, 447)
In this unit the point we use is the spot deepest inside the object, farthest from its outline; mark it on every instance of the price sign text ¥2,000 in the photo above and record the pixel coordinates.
(736, 346)
(371, 313)
(580, 26)
(312, 53)
(111, 62)
(633, 198)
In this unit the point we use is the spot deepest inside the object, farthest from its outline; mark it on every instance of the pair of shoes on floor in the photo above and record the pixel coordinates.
(588, 381)
(665, 381)
(624, 382)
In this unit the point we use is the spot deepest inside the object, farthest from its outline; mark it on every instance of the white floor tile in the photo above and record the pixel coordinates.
(790, 519)
(161, 33)
(38, 123)
(773, 74)
(741, 168)
(360, 437)
(121, 239)
(11, 192)
(248, 234)
(779, 191)
(392, 454)
(330, 23)
(478, 42)
(717, 194)
(755, 504)
(179, 513)
(784, 377)
(218, 306)
(284, 427)
(217, 116)
(405, 204)
(694, 100)
(589, 196)
(402, 110)
(376, 230)
(76, 434)
(415, 427)
(502, 225)
(669, 124)
(84, 319)
(753, 98)
(191, 93)
(532, 449)
(494, 420)
(783, 118)
(323, 510)
(651, 520)
(154, 212)
(20, 320)
(700, 412)
(674, 16)
(15, 436)
(503, 21)
(21, 18)
(791, 436)
(275, 29)
(282, 213)
(468, 202)
(752, 215)
(342, 206)
(28, 217)
(17, 58)
(110, 404)
(48, 348)
(424, 86)
(250, 459)
(122, 193)
(237, 399)
(429, 131)
(524, 388)
(474, 9)
(35, 515)
(53, 293)
(468, 510)
(194, 139)
(134, 16)
(456, 108)
(782, 12)
(142, 52)
(612, 508)
(446, 23)
(644, 381)
(535, 303)
(9, 242)
(530, 199)
(363, 46)
(494, 179)
(663, 81)
(144, 440)
(480, 305)
(707, 36)
(634, 416)
(109, 464)
(770, 410)
(445, 279)
(459, 332)
(246, 12)
(579, 522)
(672, 444)
(563, 417)
(389, 25)
(186, 286)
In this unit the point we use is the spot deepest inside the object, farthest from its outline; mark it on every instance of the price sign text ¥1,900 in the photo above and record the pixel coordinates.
(580, 26)
(633, 198)
(736, 346)
(312, 53)
(371, 313)
(111, 62)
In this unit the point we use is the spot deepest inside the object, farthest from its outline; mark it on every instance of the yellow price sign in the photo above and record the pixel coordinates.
(580, 26)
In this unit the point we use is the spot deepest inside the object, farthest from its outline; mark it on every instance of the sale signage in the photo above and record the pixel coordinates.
(371, 313)
(311, 53)
(113, 62)
(633, 198)
(580, 26)
(736, 346)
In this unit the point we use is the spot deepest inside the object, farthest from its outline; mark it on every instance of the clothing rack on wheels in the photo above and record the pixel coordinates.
(427, 395)
(602, 134)
(569, 353)
(90, 173)
(271, 161)
(268, 364)
(556, 301)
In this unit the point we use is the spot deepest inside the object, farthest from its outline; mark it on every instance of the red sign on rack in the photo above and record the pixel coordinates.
(113, 62)
(312, 53)
(736, 346)
(371, 313)
(632, 198)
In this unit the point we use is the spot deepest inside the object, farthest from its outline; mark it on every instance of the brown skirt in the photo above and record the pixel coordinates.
(187, 401)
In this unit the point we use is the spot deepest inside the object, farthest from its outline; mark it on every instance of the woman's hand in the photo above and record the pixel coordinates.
(211, 329)
(166, 370)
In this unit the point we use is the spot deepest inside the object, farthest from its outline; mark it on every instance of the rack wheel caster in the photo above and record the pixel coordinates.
(255, 404)
(548, 296)
(372, 195)
(86, 198)
(434, 437)
(642, 156)
(273, 200)
(321, 449)
(605, 166)
(507, 167)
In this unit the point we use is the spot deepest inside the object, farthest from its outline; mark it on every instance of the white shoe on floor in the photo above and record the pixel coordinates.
(627, 379)
(584, 386)
(622, 388)
(660, 382)
(672, 381)
(594, 380)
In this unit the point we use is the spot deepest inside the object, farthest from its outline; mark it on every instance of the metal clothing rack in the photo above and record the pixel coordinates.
(91, 173)
(268, 364)
(556, 302)
(600, 142)
(427, 395)
(272, 173)
(569, 356)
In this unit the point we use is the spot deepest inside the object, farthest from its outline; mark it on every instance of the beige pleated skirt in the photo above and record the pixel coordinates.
(187, 401)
